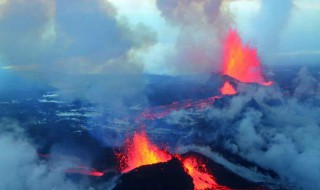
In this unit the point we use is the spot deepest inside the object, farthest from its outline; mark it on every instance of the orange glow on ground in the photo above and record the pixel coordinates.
(242, 62)
(139, 151)
(202, 179)
(228, 89)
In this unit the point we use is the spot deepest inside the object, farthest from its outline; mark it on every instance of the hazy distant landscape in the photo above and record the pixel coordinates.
(159, 95)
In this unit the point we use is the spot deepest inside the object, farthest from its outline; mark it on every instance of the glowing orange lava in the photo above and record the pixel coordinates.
(140, 151)
(85, 171)
(242, 62)
(228, 89)
(158, 112)
(202, 179)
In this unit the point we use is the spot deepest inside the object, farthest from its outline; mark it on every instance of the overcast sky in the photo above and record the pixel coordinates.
(299, 39)
(158, 36)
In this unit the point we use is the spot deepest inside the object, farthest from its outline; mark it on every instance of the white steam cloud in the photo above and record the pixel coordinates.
(21, 168)
(202, 27)
(78, 47)
(268, 128)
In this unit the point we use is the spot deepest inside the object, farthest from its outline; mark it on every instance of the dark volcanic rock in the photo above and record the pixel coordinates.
(162, 176)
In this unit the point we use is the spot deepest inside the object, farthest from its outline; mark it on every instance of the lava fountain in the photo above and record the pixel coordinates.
(139, 151)
(241, 61)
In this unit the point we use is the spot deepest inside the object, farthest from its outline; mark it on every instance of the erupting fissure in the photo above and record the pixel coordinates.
(139, 151)
(241, 61)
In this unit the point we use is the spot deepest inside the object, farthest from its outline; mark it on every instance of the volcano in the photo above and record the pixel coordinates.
(145, 166)
(161, 176)
(172, 175)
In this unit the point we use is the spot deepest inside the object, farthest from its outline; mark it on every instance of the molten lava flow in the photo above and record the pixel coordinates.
(202, 179)
(159, 112)
(140, 151)
(242, 62)
(85, 171)
(228, 89)
(78, 169)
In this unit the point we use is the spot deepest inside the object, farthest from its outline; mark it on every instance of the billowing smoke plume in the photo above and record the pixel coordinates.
(78, 47)
(202, 25)
(267, 127)
(21, 168)
(269, 24)
(306, 82)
